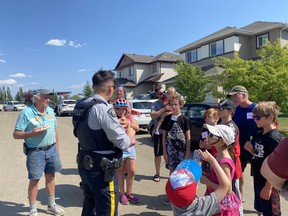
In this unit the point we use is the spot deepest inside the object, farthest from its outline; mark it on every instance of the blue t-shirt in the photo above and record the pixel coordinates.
(243, 118)
(29, 119)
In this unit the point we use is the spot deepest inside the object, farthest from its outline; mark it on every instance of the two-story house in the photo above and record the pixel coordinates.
(246, 41)
(140, 73)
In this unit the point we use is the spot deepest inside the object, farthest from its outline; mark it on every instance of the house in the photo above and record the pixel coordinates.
(246, 41)
(140, 73)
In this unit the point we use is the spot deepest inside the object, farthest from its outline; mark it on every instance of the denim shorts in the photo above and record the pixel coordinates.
(39, 161)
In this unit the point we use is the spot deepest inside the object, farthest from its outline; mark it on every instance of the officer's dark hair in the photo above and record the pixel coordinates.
(102, 77)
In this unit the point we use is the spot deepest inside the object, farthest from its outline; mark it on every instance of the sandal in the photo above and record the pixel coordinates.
(156, 178)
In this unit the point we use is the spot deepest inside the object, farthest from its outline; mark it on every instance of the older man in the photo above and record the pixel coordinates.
(243, 118)
(37, 126)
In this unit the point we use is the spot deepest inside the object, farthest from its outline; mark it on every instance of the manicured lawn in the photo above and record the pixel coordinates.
(283, 124)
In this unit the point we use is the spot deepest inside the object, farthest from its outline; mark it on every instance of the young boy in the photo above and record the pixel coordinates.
(182, 184)
(267, 200)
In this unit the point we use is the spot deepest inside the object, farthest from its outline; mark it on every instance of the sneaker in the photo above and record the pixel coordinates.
(157, 132)
(132, 198)
(166, 201)
(55, 210)
(124, 200)
(33, 212)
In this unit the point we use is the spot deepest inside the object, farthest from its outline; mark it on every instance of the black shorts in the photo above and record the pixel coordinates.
(158, 147)
(245, 159)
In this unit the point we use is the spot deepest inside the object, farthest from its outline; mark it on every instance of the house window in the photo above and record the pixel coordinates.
(191, 56)
(121, 74)
(261, 40)
(154, 68)
(131, 71)
(217, 48)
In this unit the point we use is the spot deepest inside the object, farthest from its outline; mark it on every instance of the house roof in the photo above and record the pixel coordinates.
(251, 29)
(145, 59)
(153, 78)
(125, 82)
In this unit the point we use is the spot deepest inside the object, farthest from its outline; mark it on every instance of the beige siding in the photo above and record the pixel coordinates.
(245, 47)
(143, 71)
(168, 70)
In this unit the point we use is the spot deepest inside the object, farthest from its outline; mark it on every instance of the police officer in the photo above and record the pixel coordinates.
(101, 141)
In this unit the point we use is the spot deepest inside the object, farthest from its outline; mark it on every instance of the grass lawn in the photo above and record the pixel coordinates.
(283, 124)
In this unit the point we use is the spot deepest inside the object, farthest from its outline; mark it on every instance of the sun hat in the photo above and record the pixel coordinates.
(223, 131)
(226, 104)
(237, 89)
(181, 186)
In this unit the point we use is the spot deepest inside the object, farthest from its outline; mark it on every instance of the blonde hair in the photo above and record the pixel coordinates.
(267, 108)
(171, 90)
(177, 98)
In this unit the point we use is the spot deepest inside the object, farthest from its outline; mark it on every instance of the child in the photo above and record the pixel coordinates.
(266, 200)
(211, 118)
(226, 109)
(170, 92)
(222, 137)
(182, 184)
(176, 136)
(129, 155)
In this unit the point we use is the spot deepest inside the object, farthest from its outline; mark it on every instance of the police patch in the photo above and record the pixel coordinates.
(112, 112)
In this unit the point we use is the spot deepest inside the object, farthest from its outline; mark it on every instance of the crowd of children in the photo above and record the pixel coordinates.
(219, 151)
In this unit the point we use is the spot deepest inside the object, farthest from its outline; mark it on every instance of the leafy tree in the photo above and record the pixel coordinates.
(265, 78)
(19, 95)
(75, 97)
(192, 82)
(28, 97)
(88, 91)
(8, 93)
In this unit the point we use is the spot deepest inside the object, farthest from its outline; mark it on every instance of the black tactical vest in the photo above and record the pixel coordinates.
(89, 140)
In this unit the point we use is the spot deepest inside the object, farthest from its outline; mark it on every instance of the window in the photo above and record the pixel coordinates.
(121, 74)
(261, 40)
(191, 56)
(154, 68)
(131, 71)
(216, 48)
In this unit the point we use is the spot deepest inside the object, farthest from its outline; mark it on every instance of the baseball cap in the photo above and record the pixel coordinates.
(181, 186)
(42, 91)
(237, 89)
(226, 104)
(223, 131)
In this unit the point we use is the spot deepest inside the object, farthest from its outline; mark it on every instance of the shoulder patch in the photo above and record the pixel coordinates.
(112, 112)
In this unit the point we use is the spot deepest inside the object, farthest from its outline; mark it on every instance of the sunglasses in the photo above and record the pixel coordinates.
(161, 93)
(113, 86)
(212, 136)
(258, 117)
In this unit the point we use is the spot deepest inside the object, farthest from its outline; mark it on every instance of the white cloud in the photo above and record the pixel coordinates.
(76, 86)
(2, 61)
(63, 42)
(18, 75)
(83, 70)
(56, 42)
(8, 82)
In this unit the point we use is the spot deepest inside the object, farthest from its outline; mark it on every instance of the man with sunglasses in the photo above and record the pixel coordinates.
(246, 125)
(158, 111)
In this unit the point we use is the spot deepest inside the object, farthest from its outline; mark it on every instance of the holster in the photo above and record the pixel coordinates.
(25, 149)
(110, 167)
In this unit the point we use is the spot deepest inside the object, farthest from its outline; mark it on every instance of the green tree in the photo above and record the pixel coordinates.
(8, 93)
(88, 91)
(265, 78)
(192, 82)
(20, 95)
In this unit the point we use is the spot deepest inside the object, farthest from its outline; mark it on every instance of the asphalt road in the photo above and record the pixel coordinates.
(13, 183)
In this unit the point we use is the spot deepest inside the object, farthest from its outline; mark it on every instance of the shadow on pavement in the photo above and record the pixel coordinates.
(69, 171)
(145, 140)
(144, 177)
(66, 196)
(10, 208)
(249, 212)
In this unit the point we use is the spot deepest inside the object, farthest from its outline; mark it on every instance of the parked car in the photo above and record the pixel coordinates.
(1, 107)
(14, 106)
(66, 107)
(141, 109)
(195, 113)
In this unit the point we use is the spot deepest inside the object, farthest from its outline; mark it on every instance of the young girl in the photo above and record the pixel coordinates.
(170, 92)
(221, 137)
(211, 118)
(129, 155)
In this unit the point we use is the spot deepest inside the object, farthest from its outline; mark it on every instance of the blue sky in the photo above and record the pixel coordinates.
(59, 44)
